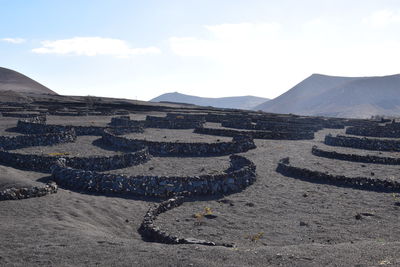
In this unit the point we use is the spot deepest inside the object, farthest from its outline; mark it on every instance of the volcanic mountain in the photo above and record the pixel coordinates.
(12, 81)
(353, 97)
(235, 102)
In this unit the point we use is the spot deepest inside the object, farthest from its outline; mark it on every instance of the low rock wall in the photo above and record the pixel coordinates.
(21, 141)
(41, 128)
(238, 144)
(172, 123)
(354, 157)
(272, 135)
(19, 115)
(363, 143)
(282, 126)
(363, 183)
(186, 116)
(378, 131)
(28, 192)
(150, 232)
(240, 175)
(125, 121)
(43, 163)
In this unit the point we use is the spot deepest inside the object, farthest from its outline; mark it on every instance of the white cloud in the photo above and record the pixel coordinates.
(267, 59)
(382, 18)
(93, 46)
(13, 40)
(226, 39)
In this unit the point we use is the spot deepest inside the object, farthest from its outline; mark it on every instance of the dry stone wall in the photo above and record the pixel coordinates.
(378, 131)
(151, 232)
(43, 163)
(363, 143)
(238, 176)
(363, 183)
(28, 192)
(354, 157)
(273, 135)
(172, 122)
(41, 128)
(238, 144)
(48, 139)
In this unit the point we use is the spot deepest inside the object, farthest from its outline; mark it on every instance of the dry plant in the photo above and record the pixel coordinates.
(200, 216)
(256, 237)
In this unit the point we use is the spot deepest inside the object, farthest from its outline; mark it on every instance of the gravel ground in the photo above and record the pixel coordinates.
(298, 223)
(173, 166)
(172, 135)
(82, 147)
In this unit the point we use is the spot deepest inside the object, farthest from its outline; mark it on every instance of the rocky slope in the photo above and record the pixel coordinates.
(357, 97)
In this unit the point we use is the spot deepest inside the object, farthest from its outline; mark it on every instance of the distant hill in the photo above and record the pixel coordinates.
(13, 81)
(235, 102)
(352, 97)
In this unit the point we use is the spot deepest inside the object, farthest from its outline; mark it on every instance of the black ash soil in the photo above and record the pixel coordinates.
(278, 221)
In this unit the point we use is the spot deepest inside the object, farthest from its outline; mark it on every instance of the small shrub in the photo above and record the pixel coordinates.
(256, 237)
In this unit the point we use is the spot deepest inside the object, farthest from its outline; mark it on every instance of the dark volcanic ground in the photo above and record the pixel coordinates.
(299, 223)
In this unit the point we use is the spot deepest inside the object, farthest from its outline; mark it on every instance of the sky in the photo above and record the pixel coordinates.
(211, 48)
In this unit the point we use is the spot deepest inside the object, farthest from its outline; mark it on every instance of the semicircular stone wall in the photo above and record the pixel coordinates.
(240, 143)
(238, 176)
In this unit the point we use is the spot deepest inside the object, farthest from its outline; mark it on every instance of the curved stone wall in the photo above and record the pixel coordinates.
(240, 175)
(363, 143)
(21, 141)
(378, 131)
(186, 116)
(43, 163)
(238, 144)
(150, 232)
(290, 126)
(41, 128)
(257, 134)
(19, 115)
(126, 121)
(354, 157)
(28, 192)
(172, 122)
(362, 183)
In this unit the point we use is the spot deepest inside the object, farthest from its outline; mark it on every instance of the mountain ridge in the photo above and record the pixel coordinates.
(235, 102)
(17, 82)
(336, 96)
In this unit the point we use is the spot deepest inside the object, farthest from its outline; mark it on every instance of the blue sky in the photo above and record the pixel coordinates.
(141, 49)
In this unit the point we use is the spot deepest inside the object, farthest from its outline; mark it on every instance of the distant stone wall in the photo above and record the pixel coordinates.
(354, 157)
(150, 232)
(186, 116)
(363, 143)
(215, 117)
(43, 163)
(283, 126)
(172, 123)
(238, 123)
(125, 121)
(19, 115)
(378, 131)
(264, 124)
(272, 135)
(361, 123)
(238, 144)
(41, 128)
(363, 183)
(240, 175)
(22, 141)
(28, 192)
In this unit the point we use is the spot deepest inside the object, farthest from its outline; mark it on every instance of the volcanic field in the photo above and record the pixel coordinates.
(166, 185)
